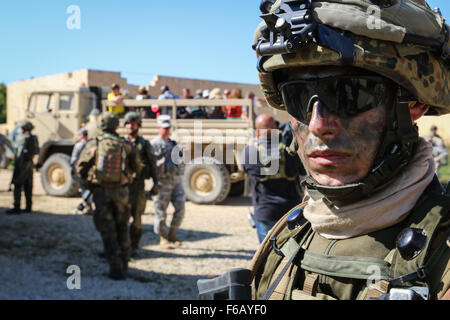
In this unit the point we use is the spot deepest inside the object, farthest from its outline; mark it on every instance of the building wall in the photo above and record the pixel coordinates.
(106, 78)
(442, 124)
(176, 85)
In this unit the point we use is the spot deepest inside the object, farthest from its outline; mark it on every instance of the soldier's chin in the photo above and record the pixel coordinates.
(335, 180)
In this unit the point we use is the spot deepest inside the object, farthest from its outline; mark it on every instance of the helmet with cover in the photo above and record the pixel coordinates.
(379, 38)
(133, 116)
(108, 122)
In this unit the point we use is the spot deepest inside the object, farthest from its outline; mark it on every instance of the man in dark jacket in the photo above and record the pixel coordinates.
(27, 147)
(275, 190)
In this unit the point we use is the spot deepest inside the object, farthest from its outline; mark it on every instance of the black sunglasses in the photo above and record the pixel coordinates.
(345, 96)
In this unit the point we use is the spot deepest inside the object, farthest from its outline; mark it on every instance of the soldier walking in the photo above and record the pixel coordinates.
(138, 199)
(27, 147)
(107, 165)
(169, 185)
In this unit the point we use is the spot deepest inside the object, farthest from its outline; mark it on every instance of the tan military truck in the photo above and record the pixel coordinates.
(212, 148)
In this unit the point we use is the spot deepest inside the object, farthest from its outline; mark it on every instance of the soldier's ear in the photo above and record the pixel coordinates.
(418, 110)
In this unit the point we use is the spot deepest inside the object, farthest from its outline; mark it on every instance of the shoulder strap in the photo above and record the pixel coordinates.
(265, 247)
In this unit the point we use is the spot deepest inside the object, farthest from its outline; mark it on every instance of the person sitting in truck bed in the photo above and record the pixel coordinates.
(145, 112)
(182, 112)
(166, 94)
(234, 112)
(117, 97)
(198, 112)
(217, 111)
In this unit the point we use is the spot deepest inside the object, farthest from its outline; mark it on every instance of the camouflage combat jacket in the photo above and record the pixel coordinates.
(86, 164)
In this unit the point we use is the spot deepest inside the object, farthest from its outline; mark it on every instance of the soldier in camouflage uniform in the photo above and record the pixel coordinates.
(107, 165)
(375, 222)
(138, 199)
(27, 147)
(169, 185)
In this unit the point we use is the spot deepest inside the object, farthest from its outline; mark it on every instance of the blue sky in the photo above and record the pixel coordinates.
(202, 39)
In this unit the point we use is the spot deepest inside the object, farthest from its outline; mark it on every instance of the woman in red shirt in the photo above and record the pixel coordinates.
(234, 112)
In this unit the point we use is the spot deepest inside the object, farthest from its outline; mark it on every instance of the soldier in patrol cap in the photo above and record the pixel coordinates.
(375, 221)
(107, 166)
(27, 148)
(170, 186)
(138, 199)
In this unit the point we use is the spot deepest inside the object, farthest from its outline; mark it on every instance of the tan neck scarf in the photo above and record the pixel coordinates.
(385, 208)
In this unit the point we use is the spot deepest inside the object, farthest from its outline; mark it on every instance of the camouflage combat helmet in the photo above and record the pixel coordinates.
(27, 126)
(133, 116)
(108, 122)
(408, 43)
(390, 43)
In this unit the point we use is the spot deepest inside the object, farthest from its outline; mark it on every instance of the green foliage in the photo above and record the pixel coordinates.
(2, 103)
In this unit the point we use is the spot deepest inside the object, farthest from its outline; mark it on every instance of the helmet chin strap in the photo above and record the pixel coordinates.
(400, 138)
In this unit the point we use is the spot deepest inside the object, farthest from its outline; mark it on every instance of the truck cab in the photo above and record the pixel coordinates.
(57, 116)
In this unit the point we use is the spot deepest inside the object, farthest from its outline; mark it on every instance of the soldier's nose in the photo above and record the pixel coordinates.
(323, 123)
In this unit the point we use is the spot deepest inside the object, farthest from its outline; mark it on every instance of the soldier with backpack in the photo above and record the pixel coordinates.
(138, 199)
(107, 166)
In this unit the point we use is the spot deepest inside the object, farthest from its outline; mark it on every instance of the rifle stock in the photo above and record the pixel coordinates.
(233, 285)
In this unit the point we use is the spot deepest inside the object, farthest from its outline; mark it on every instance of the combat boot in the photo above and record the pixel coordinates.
(164, 243)
(134, 253)
(116, 268)
(13, 211)
(173, 237)
(27, 210)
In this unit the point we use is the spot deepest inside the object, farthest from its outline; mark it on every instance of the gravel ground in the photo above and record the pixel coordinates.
(36, 250)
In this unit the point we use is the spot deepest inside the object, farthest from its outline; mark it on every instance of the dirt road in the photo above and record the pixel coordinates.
(36, 250)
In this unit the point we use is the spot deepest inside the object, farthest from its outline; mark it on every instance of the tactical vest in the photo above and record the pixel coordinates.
(165, 166)
(110, 160)
(302, 265)
(266, 157)
(141, 146)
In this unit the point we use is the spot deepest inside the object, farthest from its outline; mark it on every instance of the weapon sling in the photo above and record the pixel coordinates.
(274, 284)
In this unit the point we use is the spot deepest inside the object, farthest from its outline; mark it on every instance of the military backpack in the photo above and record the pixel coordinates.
(110, 159)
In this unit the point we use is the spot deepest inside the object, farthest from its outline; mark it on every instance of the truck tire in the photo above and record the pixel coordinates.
(56, 176)
(206, 181)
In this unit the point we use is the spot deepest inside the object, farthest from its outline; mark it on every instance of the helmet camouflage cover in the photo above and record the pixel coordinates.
(387, 40)
(133, 116)
(108, 121)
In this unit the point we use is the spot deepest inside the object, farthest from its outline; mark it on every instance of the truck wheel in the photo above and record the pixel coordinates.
(56, 176)
(206, 181)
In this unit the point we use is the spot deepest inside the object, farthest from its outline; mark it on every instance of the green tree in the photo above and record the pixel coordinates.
(2, 103)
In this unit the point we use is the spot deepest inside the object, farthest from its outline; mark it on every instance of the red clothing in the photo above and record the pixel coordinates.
(234, 111)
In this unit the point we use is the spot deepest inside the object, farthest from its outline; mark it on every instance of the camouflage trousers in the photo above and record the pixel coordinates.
(138, 202)
(170, 190)
(111, 216)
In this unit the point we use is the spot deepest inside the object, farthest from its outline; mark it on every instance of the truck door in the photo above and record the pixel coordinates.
(68, 115)
(41, 112)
